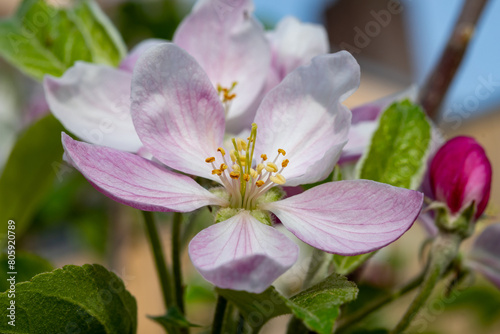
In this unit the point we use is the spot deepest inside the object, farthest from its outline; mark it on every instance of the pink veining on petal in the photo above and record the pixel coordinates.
(135, 181)
(304, 116)
(230, 45)
(241, 253)
(349, 217)
(176, 110)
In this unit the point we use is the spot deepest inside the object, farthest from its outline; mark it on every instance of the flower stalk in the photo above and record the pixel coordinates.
(220, 311)
(443, 252)
(176, 261)
(159, 258)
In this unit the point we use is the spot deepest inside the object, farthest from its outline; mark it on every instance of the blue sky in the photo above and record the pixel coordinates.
(477, 85)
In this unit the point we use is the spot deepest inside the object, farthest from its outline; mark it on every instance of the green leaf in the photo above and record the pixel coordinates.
(173, 318)
(399, 147)
(27, 265)
(319, 306)
(259, 308)
(41, 39)
(29, 173)
(87, 299)
(345, 265)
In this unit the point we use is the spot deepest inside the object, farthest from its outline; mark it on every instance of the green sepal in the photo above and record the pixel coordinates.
(225, 213)
(272, 195)
(263, 216)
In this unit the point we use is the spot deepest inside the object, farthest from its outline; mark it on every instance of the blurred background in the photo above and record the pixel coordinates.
(75, 224)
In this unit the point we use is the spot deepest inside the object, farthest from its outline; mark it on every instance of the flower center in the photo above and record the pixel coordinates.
(227, 96)
(244, 180)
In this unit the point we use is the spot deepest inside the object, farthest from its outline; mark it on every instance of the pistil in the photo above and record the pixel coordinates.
(244, 181)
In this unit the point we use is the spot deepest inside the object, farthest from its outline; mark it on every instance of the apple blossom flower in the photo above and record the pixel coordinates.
(484, 256)
(92, 101)
(297, 136)
(460, 174)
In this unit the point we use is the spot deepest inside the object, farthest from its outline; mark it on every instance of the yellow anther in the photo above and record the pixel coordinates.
(230, 97)
(216, 171)
(221, 150)
(282, 151)
(246, 177)
(271, 167)
(264, 157)
(234, 175)
(233, 155)
(236, 168)
(259, 183)
(209, 160)
(242, 145)
(223, 167)
(253, 173)
(278, 179)
(260, 167)
(284, 163)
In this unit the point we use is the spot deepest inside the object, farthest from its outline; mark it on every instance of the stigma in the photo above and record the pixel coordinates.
(246, 178)
(227, 96)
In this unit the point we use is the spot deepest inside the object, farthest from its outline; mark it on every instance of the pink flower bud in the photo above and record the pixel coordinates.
(461, 174)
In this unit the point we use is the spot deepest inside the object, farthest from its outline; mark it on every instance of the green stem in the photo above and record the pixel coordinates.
(220, 310)
(161, 265)
(444, 250)
(361, 314)
(176, 261)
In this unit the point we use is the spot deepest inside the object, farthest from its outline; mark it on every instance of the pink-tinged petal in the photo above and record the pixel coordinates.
(485, 254)
(230, 45)
(93, 102)
(176, 110)
(293, 44)
(132, 180)
(129, 61)
(304, 116)
(241, 253)
(349, 217)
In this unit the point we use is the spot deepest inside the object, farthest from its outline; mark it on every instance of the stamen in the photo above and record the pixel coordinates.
(232, 153)
(209, 160)
(234, 175)
(221, 150)
(260, 167)
(242, 145)
(282, 151)
(223, 167)
(271, 167)
(264, 157)
(246, 177)
(236, 168)
(253, 173)
(278, 179)
(259, 183)
(284, 163)
(216, 171)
